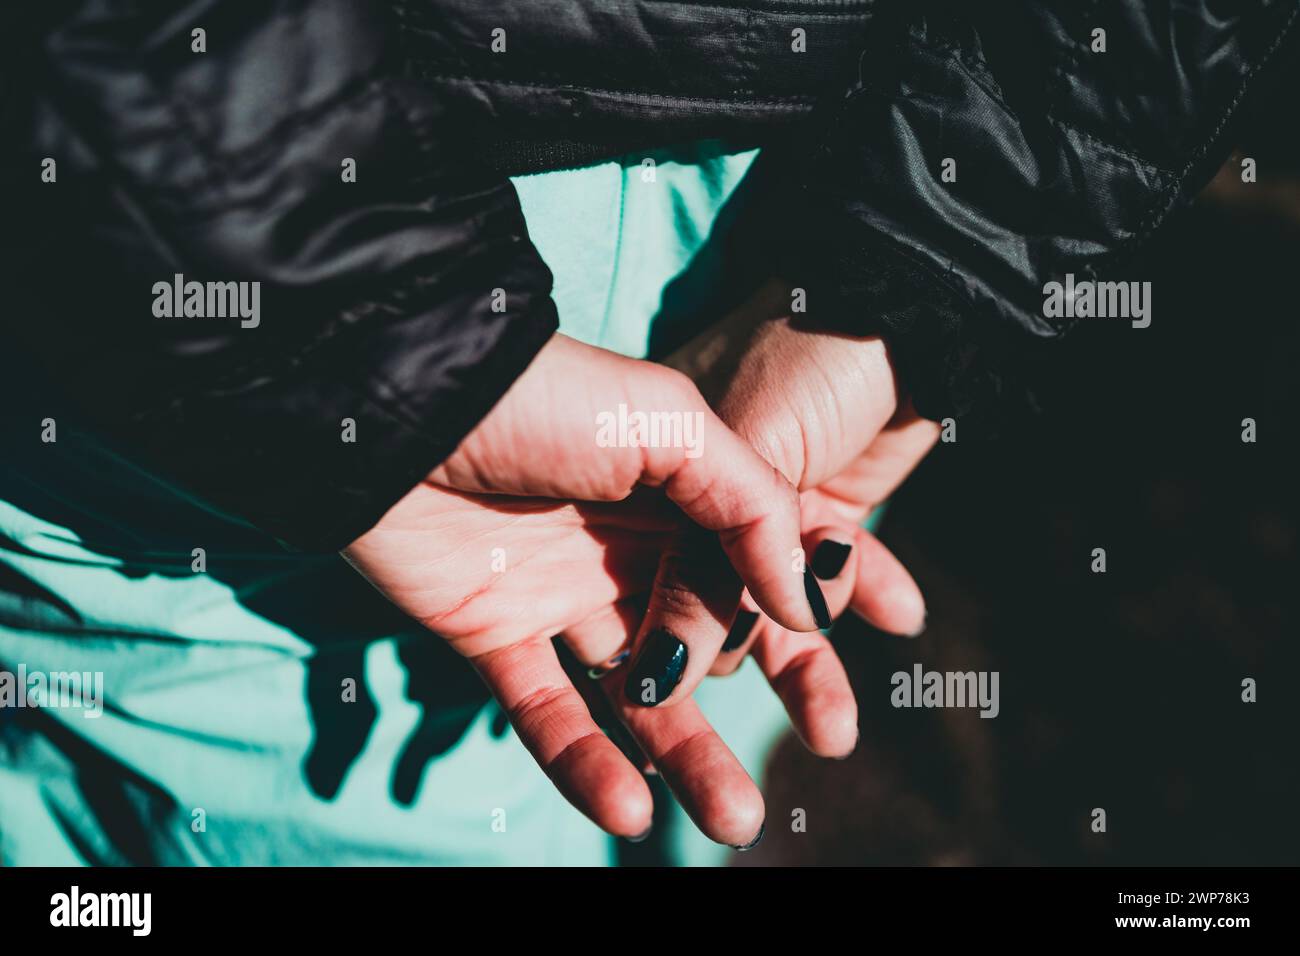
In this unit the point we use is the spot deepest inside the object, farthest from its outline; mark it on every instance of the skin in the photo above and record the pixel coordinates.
(431, 554)
(824, 409)
(619, 528)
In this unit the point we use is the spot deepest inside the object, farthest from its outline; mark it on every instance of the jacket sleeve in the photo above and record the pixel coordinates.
(1070, 149)
(397, 292)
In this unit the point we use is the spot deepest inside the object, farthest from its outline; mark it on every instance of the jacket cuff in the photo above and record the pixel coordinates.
(948, 361)
(316, 454)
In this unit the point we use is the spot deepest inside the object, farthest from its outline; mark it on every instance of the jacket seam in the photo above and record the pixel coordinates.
(1164, 203)
(988, 84)
(792, 102)
(1108, 145)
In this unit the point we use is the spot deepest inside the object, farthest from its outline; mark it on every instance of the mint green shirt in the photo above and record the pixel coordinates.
(224, 738)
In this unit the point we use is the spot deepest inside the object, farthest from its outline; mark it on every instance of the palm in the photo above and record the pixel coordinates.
(472, 555)
(499, 583)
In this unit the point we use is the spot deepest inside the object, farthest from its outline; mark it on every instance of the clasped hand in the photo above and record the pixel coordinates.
(644, 559)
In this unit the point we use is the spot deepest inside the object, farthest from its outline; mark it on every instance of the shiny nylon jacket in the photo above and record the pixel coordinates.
(377, 296)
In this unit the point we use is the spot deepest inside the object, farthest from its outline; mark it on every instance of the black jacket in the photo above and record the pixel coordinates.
(377, 296)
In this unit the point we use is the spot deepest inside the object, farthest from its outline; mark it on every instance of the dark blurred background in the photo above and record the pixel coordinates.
(1120, 690)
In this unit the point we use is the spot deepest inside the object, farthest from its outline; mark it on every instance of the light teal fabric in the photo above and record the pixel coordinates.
(615, 235)
(219, 685)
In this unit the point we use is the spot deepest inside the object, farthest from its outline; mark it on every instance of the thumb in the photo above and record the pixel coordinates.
(556, 434)
(724, 486)
(746, 534)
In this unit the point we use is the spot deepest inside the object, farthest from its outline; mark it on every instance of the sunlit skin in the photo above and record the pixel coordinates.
(532, 530)
(824, 409)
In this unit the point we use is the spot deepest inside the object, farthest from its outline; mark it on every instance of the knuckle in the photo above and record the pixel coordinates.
(677, 597)
(537, 704)
(677, 387)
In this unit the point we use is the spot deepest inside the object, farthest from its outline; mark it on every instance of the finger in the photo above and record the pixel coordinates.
(724, 486)
(892, 456)
(604, 640)
(832, 559)
(895, 452)
(747, 628)
(698, 587)
(644, 510)
(691, 606)
(666, 437)
(701, 771)
(809, 677)
(743, 632)
(613, 565)
(554, 724)
(884, 594)
(588, 685)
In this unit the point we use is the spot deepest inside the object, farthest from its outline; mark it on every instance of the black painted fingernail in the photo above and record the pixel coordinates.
(828, 560)
(657, 670)
(816, 600)
(640, 837)
(600, 670)
(754, 842)
(745, 621)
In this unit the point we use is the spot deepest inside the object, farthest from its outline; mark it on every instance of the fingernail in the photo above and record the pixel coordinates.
(745, 621)
(816, 600)
(920, 630)
(754, 842)
(657, 670)
(828, 560)
(640, 837)
(600, 670)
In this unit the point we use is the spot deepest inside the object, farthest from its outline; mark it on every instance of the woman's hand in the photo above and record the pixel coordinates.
(823, 408)
(536, 525)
